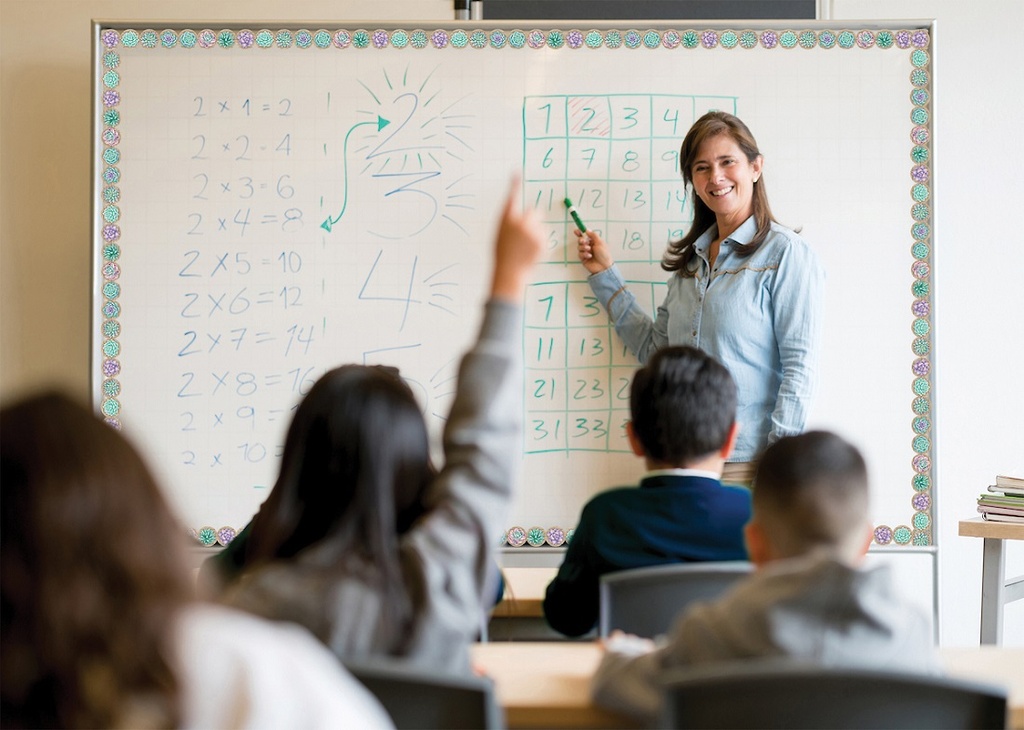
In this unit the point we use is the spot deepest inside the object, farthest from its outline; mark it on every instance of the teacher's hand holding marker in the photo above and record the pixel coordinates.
(745, 289)
(591, 248)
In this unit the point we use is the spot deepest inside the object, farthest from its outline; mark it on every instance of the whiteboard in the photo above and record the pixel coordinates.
(272, 202)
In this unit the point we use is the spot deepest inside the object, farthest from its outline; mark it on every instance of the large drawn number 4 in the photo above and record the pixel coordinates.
(405, 297)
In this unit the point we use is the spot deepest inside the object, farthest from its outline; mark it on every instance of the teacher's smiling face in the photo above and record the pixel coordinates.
(724, 178)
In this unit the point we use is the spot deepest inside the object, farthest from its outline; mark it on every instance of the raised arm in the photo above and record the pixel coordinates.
(469, 498)
(516, 249)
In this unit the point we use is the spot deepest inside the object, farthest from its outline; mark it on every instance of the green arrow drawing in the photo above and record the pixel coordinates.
(381, 123)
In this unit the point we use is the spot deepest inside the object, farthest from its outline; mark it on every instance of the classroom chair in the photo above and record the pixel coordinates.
(787, 694)
(646, 601)
(426, 700)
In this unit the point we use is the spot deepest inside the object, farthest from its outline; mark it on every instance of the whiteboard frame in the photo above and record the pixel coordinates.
(903, 537)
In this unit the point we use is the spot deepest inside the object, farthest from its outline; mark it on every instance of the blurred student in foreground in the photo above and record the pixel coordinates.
(100, 627)
(809, 599)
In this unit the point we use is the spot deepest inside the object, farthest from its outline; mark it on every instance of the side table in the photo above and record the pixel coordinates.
(996, 589)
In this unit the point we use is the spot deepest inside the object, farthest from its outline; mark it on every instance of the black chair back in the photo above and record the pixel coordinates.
(646, 601)
(417, 698)
(781, 694)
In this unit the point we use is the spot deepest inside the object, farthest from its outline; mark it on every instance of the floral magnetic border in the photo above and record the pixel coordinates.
(915, 41)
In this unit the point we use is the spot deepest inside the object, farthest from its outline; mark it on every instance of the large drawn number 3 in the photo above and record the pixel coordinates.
(408, 188)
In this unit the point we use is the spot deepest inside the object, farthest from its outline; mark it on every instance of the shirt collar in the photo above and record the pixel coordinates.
(742, 235)
(683, 473)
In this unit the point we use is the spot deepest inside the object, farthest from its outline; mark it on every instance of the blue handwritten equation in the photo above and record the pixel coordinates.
(246, 291)
(316, 230)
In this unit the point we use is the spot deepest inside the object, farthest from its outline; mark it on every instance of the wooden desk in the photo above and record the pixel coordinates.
(996, 589)
(524, 592)
(547, 684)
(519, 616)
(994, 665)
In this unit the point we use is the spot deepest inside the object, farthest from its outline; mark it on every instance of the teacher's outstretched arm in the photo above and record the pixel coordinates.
(642, 335)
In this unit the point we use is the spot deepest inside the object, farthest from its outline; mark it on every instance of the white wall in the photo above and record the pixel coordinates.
(979, 307)
(979, 301)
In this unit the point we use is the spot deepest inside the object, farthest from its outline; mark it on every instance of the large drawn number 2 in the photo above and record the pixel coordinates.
(378, 151)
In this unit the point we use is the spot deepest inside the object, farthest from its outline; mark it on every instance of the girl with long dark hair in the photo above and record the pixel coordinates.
(361, 540)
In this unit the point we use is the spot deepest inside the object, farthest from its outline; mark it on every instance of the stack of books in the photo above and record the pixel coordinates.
(1004, 500)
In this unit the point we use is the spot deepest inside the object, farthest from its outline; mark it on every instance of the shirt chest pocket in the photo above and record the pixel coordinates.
(741, 296)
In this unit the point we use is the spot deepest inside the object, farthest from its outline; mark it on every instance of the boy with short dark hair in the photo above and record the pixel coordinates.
(683, 408)
(808, 598)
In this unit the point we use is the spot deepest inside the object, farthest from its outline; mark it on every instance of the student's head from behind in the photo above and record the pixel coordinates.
(92, 571)
(683, 408)
(810, 493)
(355, 467)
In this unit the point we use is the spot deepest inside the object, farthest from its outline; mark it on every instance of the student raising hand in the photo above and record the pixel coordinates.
(362, 540)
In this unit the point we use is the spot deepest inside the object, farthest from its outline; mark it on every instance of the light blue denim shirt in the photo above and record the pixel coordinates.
(759, 315)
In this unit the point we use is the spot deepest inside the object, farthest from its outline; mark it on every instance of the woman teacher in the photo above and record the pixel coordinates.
(744, 289)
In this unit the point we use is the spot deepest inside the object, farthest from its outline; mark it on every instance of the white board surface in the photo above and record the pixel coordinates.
(266, 213)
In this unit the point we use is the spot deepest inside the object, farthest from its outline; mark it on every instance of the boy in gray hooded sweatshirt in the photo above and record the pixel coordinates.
(808, 598)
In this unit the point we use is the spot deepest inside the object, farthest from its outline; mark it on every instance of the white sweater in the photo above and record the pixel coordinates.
(240, 671)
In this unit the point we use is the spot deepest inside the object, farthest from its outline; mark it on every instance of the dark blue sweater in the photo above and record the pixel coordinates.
(667, 519)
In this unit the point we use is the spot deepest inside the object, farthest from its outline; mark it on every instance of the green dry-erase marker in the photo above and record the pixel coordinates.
(575, 216)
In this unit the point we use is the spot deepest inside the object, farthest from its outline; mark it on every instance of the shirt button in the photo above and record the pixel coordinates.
(695, 333)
